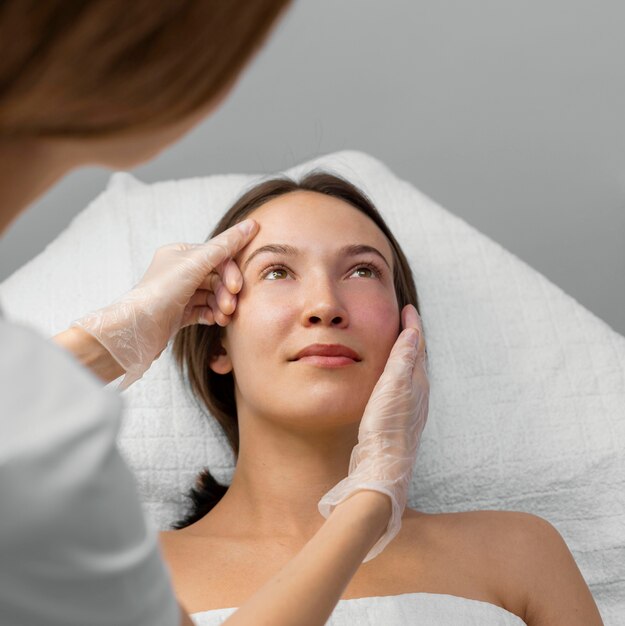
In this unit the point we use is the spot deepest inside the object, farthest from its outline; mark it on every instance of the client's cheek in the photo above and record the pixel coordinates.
(378, 326)
(381, 317)
(265, 323)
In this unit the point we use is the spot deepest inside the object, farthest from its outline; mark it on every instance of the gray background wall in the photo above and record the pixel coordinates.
(509, 114)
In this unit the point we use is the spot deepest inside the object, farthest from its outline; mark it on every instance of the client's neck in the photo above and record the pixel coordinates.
(279, 479)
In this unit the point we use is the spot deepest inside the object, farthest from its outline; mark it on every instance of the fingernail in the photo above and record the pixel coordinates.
(413, 335)
(247, 226)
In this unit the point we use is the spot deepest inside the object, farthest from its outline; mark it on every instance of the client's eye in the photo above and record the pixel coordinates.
(280, 272)
(373, 270)
(275, 272)
(364, 269)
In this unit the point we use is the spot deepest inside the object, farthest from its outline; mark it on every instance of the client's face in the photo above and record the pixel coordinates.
(326, 289)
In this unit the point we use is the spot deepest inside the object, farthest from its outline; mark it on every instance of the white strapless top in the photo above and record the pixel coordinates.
(400, 610)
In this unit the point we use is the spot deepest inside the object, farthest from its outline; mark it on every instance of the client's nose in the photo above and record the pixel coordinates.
(326, 319)
(323, 307)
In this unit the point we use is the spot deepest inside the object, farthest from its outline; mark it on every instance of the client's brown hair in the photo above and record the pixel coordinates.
(194, 346)
(91, 68)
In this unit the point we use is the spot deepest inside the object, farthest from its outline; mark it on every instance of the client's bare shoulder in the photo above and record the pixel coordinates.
(463, 554)
(514, 559)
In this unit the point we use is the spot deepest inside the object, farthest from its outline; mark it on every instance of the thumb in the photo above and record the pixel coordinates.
(404, 353)
(227, 244)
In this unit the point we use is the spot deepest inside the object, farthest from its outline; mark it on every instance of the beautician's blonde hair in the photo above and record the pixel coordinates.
(194, 346)
(92, 68)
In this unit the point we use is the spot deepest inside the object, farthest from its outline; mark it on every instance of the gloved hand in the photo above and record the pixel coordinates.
(390, 431)
(185, 284)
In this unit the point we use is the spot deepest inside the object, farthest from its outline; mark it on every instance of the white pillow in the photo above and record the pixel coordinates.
(527, 407)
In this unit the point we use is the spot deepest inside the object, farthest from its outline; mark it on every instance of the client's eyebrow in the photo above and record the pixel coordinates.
(349, 250)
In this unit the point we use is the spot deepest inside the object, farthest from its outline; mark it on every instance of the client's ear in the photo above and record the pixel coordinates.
(220, 363)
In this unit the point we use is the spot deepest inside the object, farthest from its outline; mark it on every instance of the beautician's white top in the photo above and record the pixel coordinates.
(407, 609)
(75, 548)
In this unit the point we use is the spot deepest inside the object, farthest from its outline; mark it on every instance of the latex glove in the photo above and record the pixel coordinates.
(390, 431)
(185, 284)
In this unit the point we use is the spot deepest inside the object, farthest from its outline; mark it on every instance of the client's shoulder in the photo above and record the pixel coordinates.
(520, 557)
(495, 539)
(480, 528)
(476, 554)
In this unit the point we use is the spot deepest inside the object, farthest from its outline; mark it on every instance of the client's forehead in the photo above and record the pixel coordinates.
(313, 222)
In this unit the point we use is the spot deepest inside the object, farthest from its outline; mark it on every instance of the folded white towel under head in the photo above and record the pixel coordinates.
(527, 407)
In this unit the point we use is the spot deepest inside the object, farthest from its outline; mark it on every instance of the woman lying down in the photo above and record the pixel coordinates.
(288, 374)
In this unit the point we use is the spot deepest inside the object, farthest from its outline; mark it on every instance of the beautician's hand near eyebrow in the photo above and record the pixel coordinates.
(185, 284)
(390, 431)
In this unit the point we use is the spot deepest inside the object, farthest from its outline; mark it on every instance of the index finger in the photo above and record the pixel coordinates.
(229, 243)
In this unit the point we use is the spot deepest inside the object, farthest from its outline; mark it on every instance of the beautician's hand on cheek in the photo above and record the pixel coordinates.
(390, 430)
(185, 284)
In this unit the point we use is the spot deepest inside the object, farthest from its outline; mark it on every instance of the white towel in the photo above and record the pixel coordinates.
(406, 609)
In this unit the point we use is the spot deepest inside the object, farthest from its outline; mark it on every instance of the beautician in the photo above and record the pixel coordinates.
(112, 83)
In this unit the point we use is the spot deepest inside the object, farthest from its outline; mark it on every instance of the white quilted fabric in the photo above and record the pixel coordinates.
(527, 386)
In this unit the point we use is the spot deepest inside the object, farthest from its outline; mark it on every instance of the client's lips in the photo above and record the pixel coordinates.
(327, 349)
